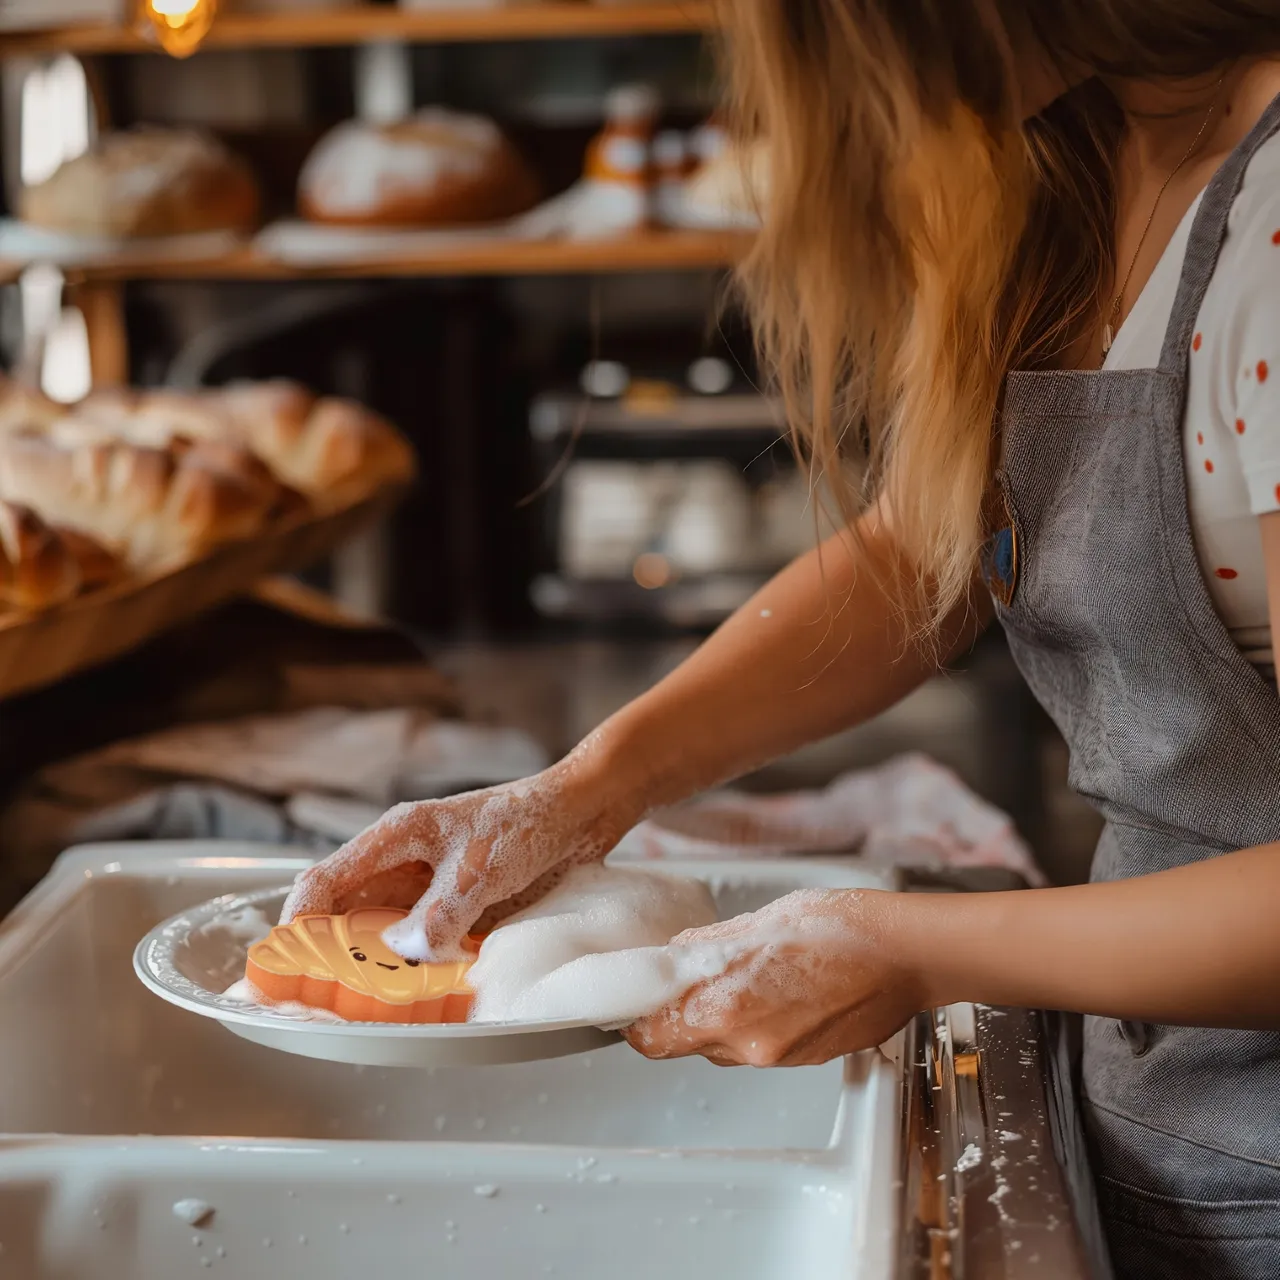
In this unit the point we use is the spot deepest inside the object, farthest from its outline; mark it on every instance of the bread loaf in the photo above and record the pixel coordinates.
(335, 451)
(149, 506)
(438, 168)
(23, 408)
(330, 450)
(37, 569)
(340, 963)
(146, 182)
(97, 566)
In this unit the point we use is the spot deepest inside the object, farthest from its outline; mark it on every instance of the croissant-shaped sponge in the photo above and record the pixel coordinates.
(341, 964)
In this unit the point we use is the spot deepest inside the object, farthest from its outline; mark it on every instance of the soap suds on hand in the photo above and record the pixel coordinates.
(594, 949)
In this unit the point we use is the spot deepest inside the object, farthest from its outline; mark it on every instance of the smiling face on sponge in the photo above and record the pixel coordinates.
(340, 963)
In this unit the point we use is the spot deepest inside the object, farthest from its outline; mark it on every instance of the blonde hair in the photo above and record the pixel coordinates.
(920, 239)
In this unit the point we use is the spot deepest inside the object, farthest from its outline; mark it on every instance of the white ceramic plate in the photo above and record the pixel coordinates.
(192, 958)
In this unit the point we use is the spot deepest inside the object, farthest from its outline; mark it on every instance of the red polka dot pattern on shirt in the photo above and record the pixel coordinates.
(1275, 239)
(1197, 342)
(1263, 370)
(1208, 465)
(1239, 426)
(1199, 437)
(1226, 574)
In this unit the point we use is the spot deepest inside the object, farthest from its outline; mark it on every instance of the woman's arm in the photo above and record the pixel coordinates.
(819, 974)
(820, 648)
(1198, 945)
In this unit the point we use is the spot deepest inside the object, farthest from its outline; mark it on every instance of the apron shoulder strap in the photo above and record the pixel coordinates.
(1205, 244)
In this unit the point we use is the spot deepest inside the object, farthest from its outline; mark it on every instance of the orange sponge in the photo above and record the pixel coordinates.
(341, 964)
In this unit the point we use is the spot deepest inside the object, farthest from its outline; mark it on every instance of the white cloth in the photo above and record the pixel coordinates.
(909, 811)
(1231, 425)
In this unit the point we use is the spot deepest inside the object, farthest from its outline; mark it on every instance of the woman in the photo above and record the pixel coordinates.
(1024, 258)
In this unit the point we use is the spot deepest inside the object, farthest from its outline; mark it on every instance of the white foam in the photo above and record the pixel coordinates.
(246, 995)
(595, 949)
(193, 1212)
(246, 925)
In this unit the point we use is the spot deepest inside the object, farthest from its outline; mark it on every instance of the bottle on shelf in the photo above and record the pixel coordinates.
(617, 194)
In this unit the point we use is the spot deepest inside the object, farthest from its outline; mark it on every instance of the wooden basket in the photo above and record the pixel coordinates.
(38, 649)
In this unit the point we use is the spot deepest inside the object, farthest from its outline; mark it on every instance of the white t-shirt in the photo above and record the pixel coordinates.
(1231, 427)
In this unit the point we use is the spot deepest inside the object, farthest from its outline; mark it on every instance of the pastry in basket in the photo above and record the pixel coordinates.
(22, 408)
(333, 451)
(146, 182)
(437, 168)
(37, 568)
(151, 507)
(340, 963)
(98, 567)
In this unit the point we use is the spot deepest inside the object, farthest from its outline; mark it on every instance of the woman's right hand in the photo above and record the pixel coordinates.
(470, 860)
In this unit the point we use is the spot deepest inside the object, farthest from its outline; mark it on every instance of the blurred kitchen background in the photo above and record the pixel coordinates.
(601, 480)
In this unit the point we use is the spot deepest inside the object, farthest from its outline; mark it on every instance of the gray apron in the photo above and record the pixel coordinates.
(1176, 738)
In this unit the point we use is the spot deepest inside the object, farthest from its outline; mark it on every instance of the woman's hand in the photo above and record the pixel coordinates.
(808, 978)
(470, 860)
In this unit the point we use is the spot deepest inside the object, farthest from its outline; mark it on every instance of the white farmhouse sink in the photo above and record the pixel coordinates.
(115, 1105)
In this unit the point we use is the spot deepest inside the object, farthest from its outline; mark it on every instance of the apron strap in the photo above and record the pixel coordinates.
(1207, 234)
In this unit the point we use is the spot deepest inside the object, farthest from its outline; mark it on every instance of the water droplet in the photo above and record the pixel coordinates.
(586, 1162)
(449, 1224)
(302, 1239)
(486, 1190)
(515, 1131)
(392, 1198)
(539, 1208)
(266, 1242)
(440, 1122)
(480, 1123)
(607, 1177)
(222, 1253)
(344, 1228)
(206, 1262)
(694, 1220)
(293, 1195)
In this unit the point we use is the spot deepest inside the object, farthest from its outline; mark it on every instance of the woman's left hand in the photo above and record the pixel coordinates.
(808, 978)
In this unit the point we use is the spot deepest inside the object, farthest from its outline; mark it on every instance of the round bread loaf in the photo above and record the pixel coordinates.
(437, 168)
(146, 182)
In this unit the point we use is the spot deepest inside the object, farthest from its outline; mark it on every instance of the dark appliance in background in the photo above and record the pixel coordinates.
(671, 494)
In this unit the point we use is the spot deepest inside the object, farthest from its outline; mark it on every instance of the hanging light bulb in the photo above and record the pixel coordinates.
(180, 25)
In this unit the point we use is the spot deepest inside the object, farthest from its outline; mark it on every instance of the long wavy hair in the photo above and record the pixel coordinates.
(920, 239)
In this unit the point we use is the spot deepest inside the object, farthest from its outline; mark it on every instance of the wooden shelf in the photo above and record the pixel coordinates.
(651, 251)
(362, 24)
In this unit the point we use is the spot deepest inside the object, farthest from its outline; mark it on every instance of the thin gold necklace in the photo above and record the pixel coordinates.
(1109, 331)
